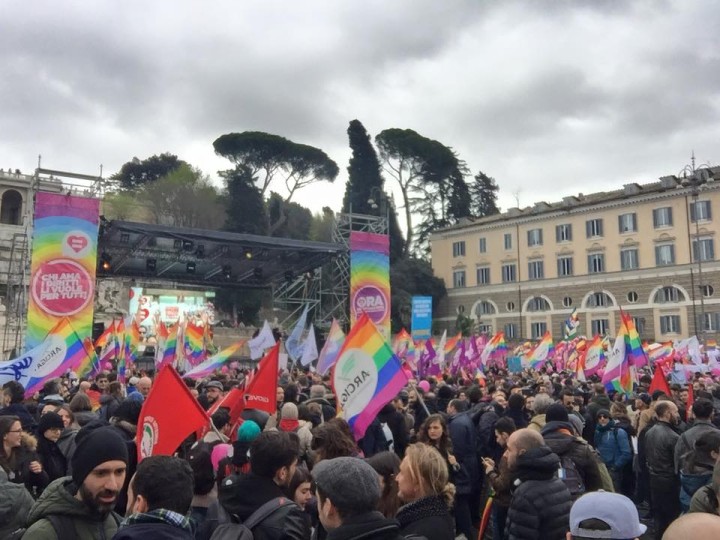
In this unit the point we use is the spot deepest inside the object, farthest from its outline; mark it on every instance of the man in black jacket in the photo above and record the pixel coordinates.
(348, 492)
(273, 459)
(660, 443)
(540, 505)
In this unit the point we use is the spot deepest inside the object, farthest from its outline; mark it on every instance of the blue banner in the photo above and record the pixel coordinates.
(514, 364)
(421, 324)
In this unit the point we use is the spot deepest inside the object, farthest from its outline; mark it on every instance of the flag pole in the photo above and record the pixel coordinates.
(413, 386)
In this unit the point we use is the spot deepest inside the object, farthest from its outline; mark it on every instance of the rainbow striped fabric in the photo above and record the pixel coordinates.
(617, 374)
(169, 348)
(331, 349)
(367, 375)
(216, 361)
(542, 352)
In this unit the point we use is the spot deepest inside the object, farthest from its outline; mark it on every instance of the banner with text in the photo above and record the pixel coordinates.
(421, 323)
(64, 258)
(370, 279)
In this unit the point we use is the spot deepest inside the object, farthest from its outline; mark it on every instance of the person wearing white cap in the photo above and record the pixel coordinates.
(604, 515)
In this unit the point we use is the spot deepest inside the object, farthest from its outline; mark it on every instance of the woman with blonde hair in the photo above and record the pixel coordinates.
(427, 495)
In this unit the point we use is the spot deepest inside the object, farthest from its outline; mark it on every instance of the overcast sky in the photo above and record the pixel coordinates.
(549, 98)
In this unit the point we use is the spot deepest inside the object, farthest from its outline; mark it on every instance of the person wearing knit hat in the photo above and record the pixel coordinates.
(49, 429)
(348, 491)
(290, 423)
(613, 446)
(85, 500)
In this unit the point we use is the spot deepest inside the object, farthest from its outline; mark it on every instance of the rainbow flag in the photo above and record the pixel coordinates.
(658, 351)
(120, 340)
(194, 343)
(64, 351)
(370, 278)
(452, 342)
(366, 376)
(618, 375)
(593, 357)
(331, 349)
(106, 337)
(634, 349)
(494, 347)
(216, 361)
(89, 364)
(401, 343)
(132, 340)
(571, 325)
(542, 351)
(169, 348)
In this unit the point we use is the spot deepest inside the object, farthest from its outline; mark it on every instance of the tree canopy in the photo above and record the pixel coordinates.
(136, 173)
(244, 206)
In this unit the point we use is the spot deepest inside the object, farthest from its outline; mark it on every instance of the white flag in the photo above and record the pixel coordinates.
(310, 351)
(292, 344)
(264, 340)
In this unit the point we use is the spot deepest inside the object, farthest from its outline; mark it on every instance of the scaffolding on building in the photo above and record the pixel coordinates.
(16, 282)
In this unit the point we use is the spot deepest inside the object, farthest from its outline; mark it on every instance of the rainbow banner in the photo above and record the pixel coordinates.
(366, 376)
(64, 258)
(169, 352)
(542, 352)
(61, 351)
(329, 353)
(216, 361)
(370, 279)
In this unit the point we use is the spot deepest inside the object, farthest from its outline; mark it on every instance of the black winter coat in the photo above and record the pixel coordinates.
(371, 526)
(156, 531)
(26, 419)
(241, 495)
(540, 506)
(396, 422)
(660, 444)
(464, 442)
(578, 450)
(428, 517)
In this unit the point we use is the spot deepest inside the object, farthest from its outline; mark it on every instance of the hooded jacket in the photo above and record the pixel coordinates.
(540, 506)
(18, 466)
(241, 495)
(15, 504)
(613, 445)
(558, 437)
(59, 499)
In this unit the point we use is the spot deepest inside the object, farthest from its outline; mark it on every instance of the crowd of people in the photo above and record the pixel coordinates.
(509, 456)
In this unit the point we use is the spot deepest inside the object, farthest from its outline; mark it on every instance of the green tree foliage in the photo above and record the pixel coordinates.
(136, 173)
(244, 304)
(365, 182)
(297, 219)
(464, 325)
(185, 198)
(431, 179)
(412, 277)
(322, 225)
(484, 194)
(244, 206)
(122, 205)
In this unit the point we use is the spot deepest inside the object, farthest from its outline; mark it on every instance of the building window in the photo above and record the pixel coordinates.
(563, 233)
(565, 266)
(711, 322)
(669, 295)
(703, 249)
(594, 228)
(670, 324)
(459, 279)
(707, 290)
(665, 255)
(632, 297)
(509, 273)
(536, 270)
(507, 239)
(700, 211)
(567, 301)
(639, 323)
(662, 217)
(484, 308)
(537, 330)
(483, 275)
(510, 306)
(511, 331)
(483, 245)
(629, 259)
(596, 263)
(11, 207)
(458, 249)
(485, 328)
(627, 223)
(460, 309)
(600, 327)
(535, 237)
(538, 303)
(599, 299)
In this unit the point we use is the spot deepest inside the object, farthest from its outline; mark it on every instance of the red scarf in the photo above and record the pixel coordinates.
(289, 425)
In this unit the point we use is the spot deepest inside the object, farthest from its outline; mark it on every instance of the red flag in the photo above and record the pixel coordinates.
(690, 401)
(659, 382)
(261, 391)
(170, 413)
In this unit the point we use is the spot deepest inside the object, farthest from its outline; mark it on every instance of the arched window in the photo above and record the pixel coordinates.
(538, 303)
(599, 300)
(669, 295)
(11, 207)
(484, 308)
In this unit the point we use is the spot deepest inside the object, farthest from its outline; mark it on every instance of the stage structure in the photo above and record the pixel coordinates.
(336, 300)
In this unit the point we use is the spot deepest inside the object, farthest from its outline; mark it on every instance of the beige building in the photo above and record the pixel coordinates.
(648, 249)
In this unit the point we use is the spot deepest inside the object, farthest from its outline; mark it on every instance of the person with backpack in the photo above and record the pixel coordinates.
(159, 498)
(80, 507)
(254, 503)
(613, 445)
(578, 460)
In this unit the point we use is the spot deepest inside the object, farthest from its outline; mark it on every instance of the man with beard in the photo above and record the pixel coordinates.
(81, 506)
(660, 443)
(273, 460)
